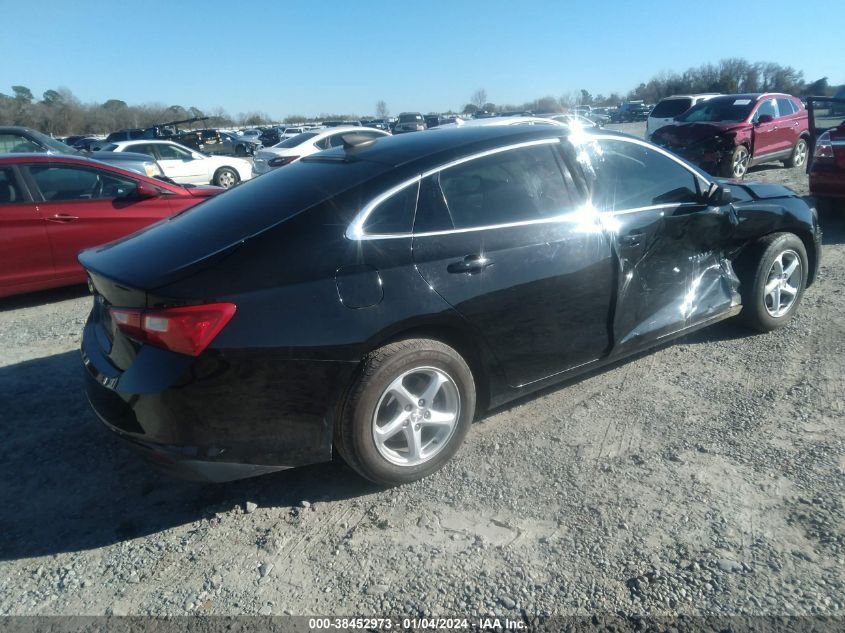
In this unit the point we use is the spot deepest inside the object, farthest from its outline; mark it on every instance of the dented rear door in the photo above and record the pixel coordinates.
(669, 244)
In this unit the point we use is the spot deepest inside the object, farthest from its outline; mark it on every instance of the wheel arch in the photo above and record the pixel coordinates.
(741, 260)
(456, 335)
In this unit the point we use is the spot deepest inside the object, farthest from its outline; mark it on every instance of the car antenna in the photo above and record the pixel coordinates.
(352, 140)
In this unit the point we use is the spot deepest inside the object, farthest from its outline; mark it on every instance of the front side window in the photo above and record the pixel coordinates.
(512, 186)
(627, 175)
(172, 152)
(769, 106)
(64, 183)
(15, 143)
(10, 193)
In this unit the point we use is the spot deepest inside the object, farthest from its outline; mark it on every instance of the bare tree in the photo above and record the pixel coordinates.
(479, 98)
(381, 110)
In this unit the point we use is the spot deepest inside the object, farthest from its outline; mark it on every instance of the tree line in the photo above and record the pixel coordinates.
(732, 75)
(59, 112)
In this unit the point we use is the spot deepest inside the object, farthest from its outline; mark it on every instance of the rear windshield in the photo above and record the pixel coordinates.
(669, 108)
(725, 109)
(258, 204)
(409, 118)
(293, 141)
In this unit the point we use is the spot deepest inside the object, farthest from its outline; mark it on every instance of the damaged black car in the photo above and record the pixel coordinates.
(373, 299)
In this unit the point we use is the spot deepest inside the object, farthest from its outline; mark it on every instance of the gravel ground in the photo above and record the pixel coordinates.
(706, 477)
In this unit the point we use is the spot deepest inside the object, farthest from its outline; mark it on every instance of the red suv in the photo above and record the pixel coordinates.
(53, 206)
(726, 135)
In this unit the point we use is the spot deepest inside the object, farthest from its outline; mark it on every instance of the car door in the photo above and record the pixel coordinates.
(766, 138)
(789, 124)
(84, 206)
(504, 239)
(672, 271)
(25, 256)
(179, 164)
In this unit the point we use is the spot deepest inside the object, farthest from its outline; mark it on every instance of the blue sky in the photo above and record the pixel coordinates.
(342, 56)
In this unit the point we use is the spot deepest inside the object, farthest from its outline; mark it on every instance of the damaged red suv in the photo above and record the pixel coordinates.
(726, 135)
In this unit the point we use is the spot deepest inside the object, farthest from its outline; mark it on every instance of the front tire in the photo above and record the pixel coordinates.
(773, 275)
(799, 154)
(407, 412)
(225, 177)
(735, 165)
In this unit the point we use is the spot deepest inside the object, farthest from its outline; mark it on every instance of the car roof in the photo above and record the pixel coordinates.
(693, 96)
(440, 145)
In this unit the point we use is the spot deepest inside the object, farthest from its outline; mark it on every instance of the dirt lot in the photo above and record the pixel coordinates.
(706, 477)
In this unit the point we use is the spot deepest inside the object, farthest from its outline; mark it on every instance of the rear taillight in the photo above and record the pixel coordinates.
(824, 148)
(187, 330)
(281, 160)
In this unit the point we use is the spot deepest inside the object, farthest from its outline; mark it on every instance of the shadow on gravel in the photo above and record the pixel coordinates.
(43, 297)
(832, 221)
(69, 485)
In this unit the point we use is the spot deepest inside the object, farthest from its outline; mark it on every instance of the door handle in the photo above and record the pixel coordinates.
(632, 239)
(62, 218)
(470, 264)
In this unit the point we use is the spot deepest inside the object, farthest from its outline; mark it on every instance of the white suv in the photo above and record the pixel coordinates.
(670, 107)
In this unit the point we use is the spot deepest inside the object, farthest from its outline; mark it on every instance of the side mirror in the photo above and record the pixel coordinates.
(764, 118)
(718, 195)
(144, 191)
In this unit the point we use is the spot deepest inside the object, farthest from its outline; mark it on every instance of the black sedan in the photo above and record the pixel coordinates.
(376, 297)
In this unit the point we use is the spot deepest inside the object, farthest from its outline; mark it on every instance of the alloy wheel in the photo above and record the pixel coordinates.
(783, 283)
(800, 153)
(740, 162)
(416, 416)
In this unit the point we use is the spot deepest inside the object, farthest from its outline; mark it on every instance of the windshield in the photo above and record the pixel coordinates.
(293, 141)
(409, 118)
(730, 110)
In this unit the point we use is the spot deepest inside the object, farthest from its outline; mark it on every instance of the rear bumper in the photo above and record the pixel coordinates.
(827, 184)
(218, 417)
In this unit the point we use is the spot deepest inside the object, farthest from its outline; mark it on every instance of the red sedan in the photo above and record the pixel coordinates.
(53, 206)
(827, 172)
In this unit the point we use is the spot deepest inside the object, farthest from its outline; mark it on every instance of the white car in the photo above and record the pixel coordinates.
(667, 109)
(304, 144)
(498, 120)
(187, 166)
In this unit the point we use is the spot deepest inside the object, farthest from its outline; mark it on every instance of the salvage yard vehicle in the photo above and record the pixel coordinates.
(22, 139)
(53, 206)
(726, 135)
(667, 109)
(375, 297)
(827, 165)
(629, 112)
(307, 143)
(187, 166)
(409, 122)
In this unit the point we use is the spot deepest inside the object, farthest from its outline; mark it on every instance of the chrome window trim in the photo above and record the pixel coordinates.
(355, 230)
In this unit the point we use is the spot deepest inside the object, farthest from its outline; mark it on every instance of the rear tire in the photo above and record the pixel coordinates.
(799, 154)
(387, 431)
(773, 275)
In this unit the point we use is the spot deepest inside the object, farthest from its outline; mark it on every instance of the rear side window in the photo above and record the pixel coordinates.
(395, 215)
(629, 176)
(513, 186)
(140, 148)
(669, 108)
(785, 107)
